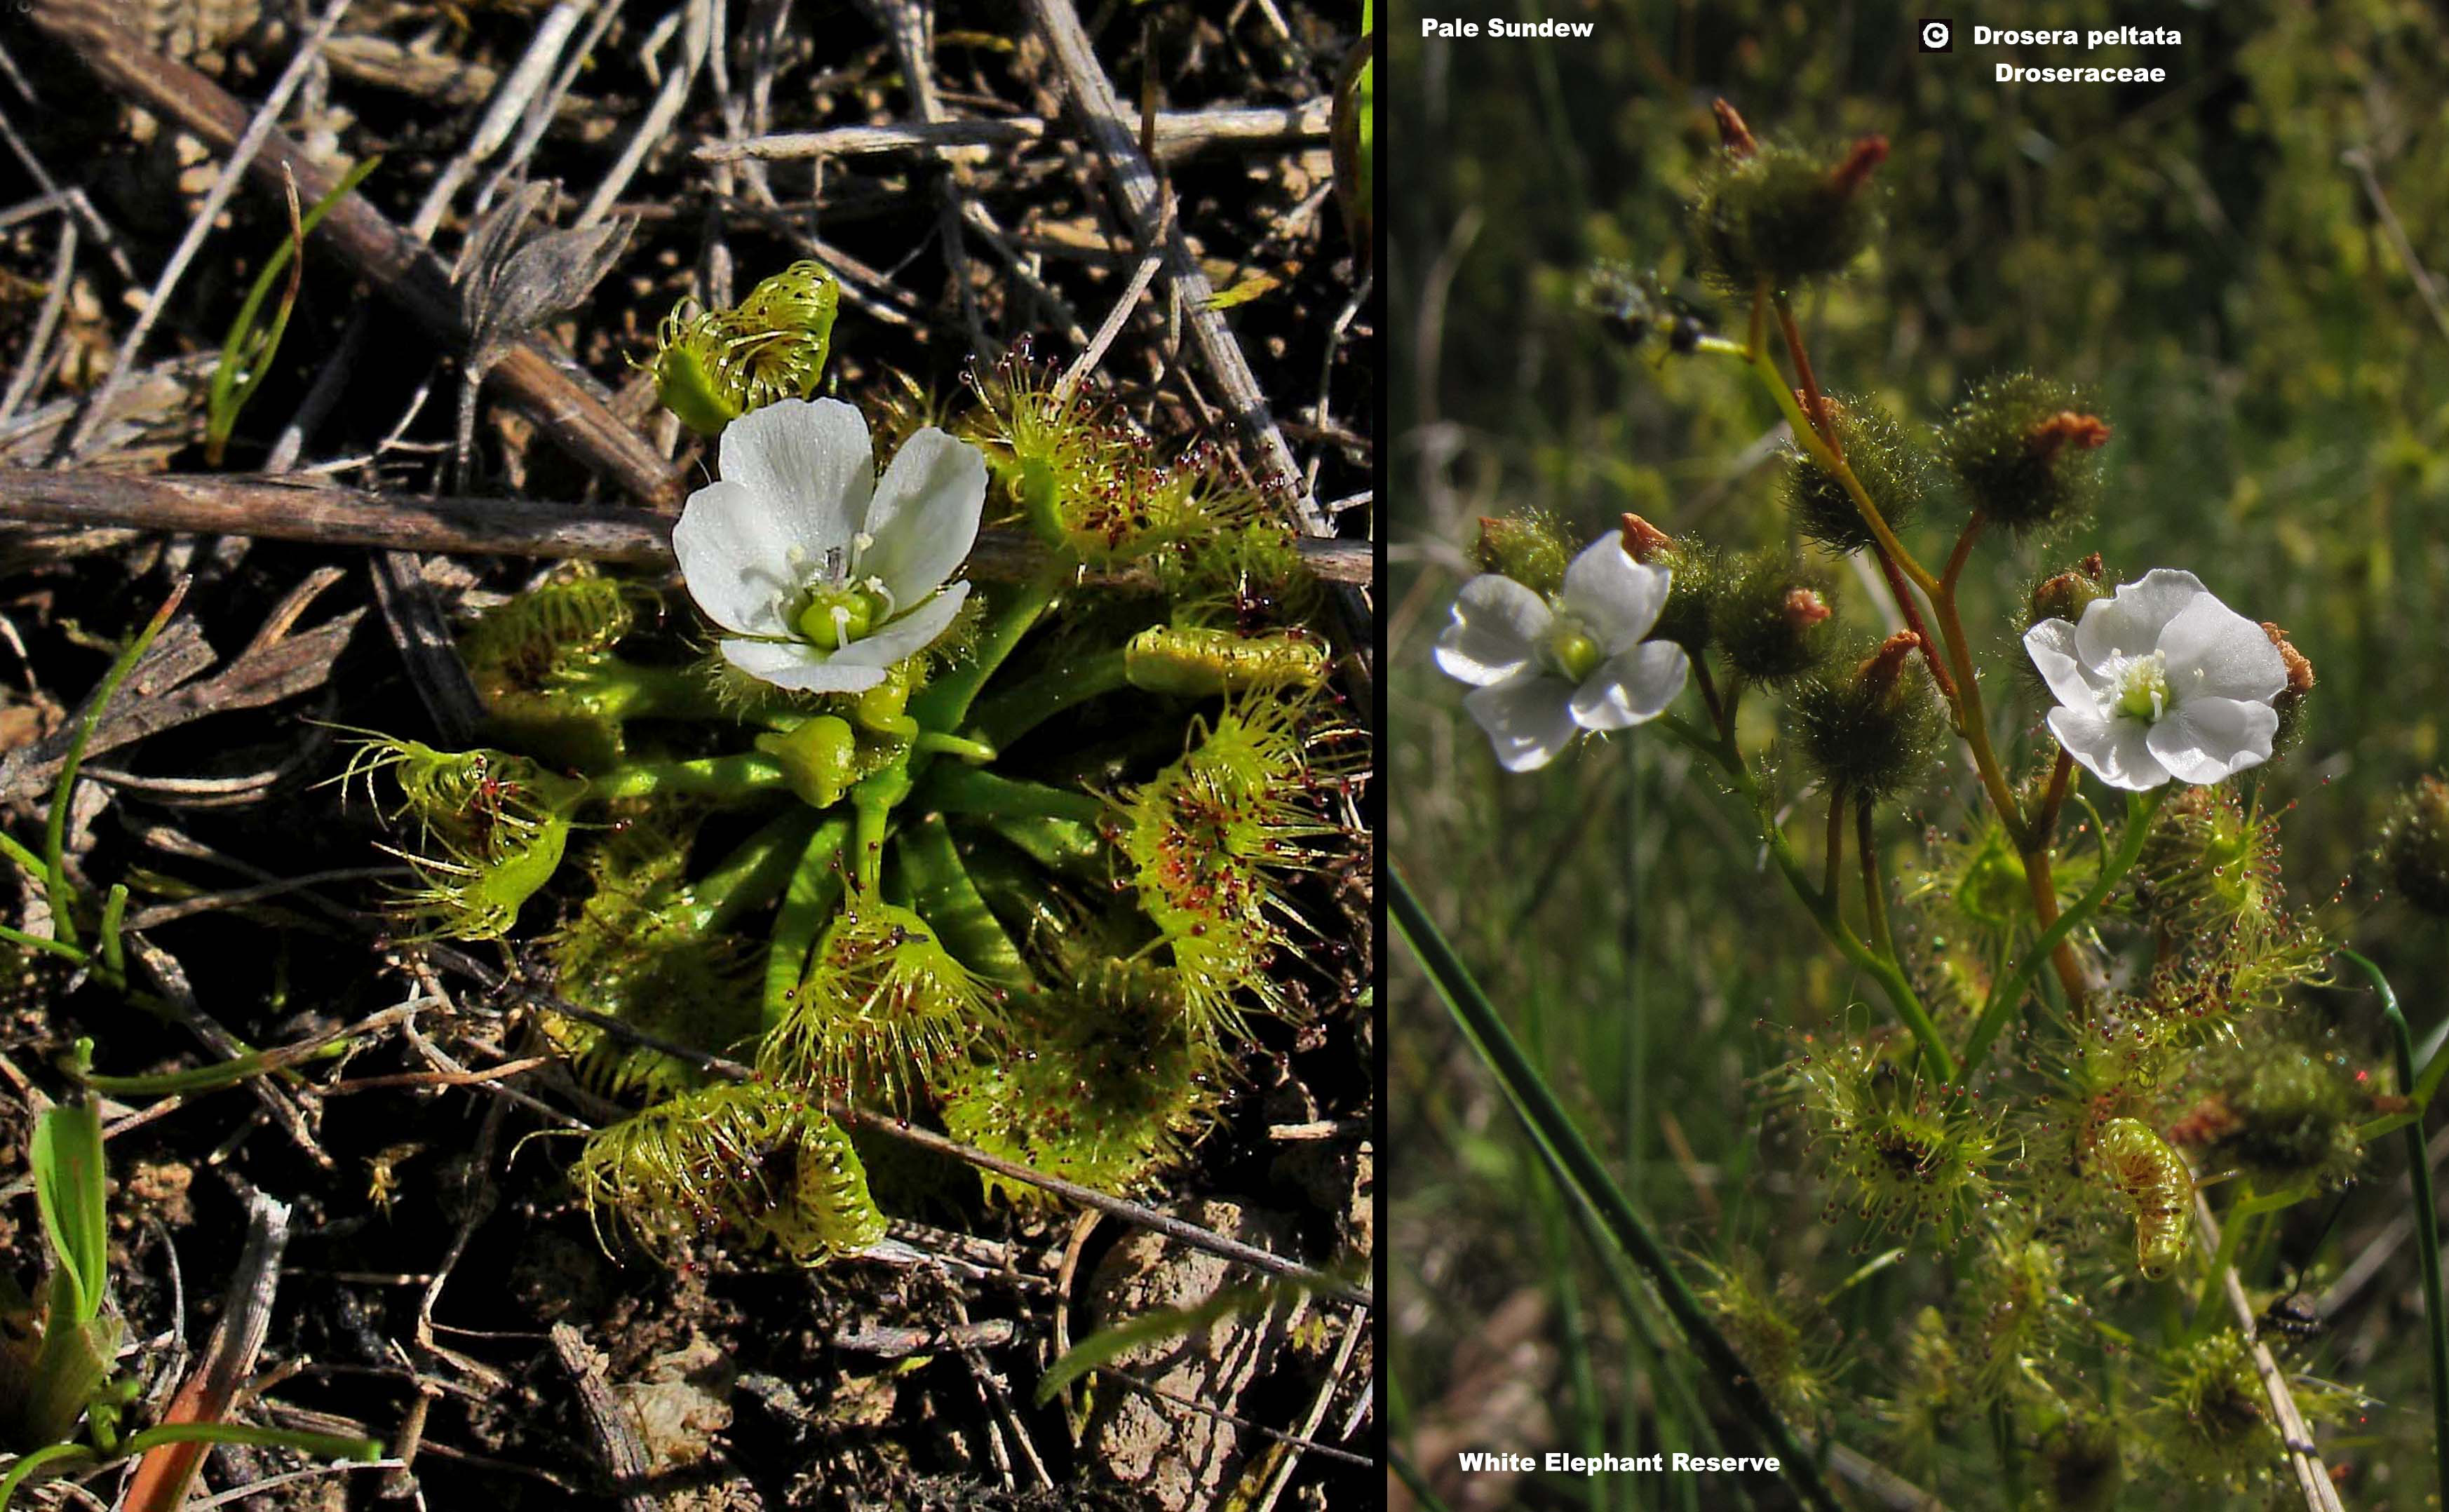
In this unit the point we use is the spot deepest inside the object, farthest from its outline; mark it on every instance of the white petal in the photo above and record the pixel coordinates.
(924, 517)
(2051, 644)
(799, 666)
(2213, 650)
(1617, 597)
(2117, 751)
(1631, 685)
(2130, 622)
(735, 556)
(2211, 739)
(1529, 719)
(1496, 620)
(810, 463)
(907, 637)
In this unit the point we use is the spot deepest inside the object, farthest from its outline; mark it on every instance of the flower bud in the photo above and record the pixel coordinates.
(2064, 595)
(2290, 702)
(1772, 619)
(1526, 548)
(820, 757)
(1699, 577)
(1778, 215)
(2025, 451)
(2415, 844)
(1884, 460)
(1871, 732)
(1733, 136)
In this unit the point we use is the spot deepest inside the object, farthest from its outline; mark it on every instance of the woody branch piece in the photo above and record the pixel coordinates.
(285, 509)
(564, 403)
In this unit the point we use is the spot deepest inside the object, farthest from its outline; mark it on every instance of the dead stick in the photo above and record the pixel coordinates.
(625, 1454)
(566, 405)
(1134, 186)
(1178, 134)
(509, 527)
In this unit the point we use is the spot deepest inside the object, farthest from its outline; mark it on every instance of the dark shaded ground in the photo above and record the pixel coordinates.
(795, 1380)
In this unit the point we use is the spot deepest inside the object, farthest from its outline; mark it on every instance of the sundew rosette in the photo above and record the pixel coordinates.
(1015, 856)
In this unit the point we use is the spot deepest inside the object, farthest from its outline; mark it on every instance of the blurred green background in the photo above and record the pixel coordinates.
(2225, 259)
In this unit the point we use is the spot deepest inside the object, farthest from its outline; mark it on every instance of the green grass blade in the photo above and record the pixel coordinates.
(247, 353)
(55, 832)
(1548, 1122)
(1102, 1347)
(69, 1188)
(2427, 1219)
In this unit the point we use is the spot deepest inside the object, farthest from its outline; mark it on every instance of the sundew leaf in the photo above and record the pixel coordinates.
(67, 1160)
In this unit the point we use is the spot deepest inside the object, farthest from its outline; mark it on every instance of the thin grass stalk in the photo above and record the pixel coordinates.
(2427, 1218)
(1548, 1122)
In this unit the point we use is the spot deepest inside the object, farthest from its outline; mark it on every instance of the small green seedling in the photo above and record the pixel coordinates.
(55, 1364)
(248, 354)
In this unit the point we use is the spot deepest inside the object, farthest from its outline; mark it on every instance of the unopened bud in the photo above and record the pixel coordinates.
(1644, 542)
(1874, 733)
(1879, 672)
(1735, 137)
(2290, 702)
(2415, 844)
(2300, 671)
(2067, 428)
(1772, 619)
(2065, 595)
(2026, 451)
(1851, 174)
(1778, 215)
(1886, 460)
(1525, 548)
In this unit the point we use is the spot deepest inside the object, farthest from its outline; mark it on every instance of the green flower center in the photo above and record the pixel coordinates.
(833, 617)
(1569, 651)
(2143, 687)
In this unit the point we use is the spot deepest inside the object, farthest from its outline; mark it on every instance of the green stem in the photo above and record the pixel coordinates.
(756, 871)
(2207, 1312)
(871, 803)
(1074, 679)
(2427, 1218)
(26, 941)
(740, 776)
(55, 830)
(25, 860)
(620, 690)
(816, 886)
(2009, 994)
(321, 1445)
(1535, 1103)
(966, 790)
(1823, 906)
(937, 742)
(944, 703)
(26, 1465)
(944, 894)
(114, 950)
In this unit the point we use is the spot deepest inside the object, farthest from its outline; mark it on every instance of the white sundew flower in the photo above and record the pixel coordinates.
(1543, 673)
(825, 575)
(2162, 680)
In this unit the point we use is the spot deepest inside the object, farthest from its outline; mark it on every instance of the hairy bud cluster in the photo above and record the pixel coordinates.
(1772, 617)
(1871, 732)
(1776, 215)
(1884, 457)
(2025, 452)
